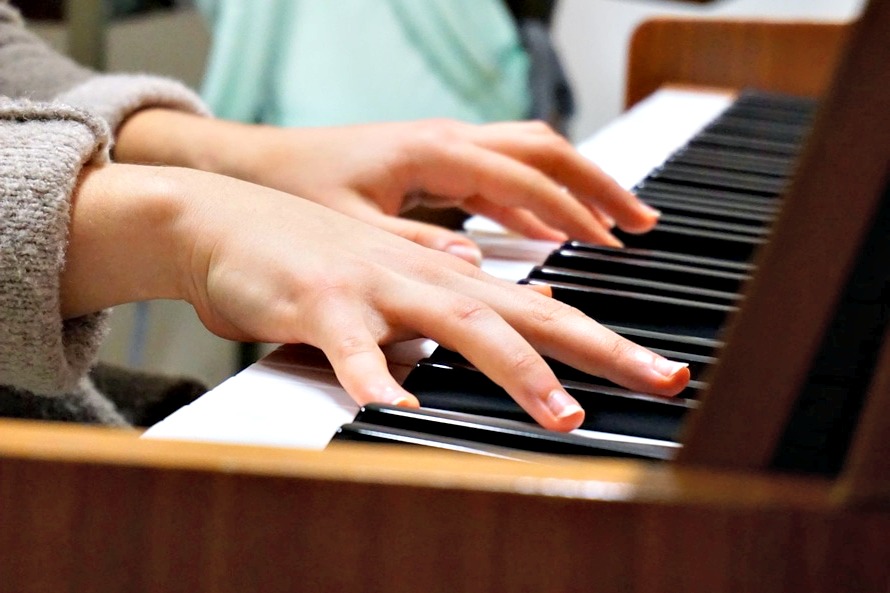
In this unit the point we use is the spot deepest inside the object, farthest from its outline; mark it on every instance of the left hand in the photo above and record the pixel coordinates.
(520, 174)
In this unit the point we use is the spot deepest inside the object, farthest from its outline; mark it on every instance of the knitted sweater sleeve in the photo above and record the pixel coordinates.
(30, 69)
(42, 150)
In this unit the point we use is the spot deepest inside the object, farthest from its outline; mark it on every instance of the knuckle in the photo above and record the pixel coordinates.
(438, 132)
(524, 362)
(471, 311)
(623, 349)
(550, 311)
(350, 346)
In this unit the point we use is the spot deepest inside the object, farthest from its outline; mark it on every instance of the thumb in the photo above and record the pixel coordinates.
(434, 237)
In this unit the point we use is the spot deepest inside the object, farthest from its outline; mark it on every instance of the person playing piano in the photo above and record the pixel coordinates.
(119, 188)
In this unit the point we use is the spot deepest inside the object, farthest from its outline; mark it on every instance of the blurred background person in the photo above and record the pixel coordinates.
(307, 63)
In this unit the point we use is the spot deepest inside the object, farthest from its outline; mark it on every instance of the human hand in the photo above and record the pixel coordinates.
(520, 174)
(258, 264)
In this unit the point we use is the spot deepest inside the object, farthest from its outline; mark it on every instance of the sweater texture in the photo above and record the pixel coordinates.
(56, 117)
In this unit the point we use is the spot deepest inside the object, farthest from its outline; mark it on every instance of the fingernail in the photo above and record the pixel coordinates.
(613, 241)
(653, 211)
(668, 368)
(465, 252)
(403, 401)
(562, 404)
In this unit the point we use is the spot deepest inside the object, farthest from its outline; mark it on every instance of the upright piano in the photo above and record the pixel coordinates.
(738, 506)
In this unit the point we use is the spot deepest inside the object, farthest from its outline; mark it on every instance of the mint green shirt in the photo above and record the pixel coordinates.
(330, 62)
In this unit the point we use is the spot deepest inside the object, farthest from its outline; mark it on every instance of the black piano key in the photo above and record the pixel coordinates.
(768, 185)
(661, 341)
(607, 408)
(564, 277)
(642, 311)
(620, 263)
(698, 365)
(756, 145)
(701, 177)
(736, 160)
(773, 107)
(765, 204)
(706, 210)
(689, 240)
(372, 433)
(698, 260)
(698, 368)
(715, 223)
(511, 434)
(738, 125)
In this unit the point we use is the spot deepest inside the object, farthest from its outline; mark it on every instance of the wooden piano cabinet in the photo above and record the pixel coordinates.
(792, 57)
(87, 509)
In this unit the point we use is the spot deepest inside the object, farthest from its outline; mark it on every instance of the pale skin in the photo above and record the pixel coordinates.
(259, 263)
(521, 174)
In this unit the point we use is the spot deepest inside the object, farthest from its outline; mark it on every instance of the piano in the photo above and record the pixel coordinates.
(733, 510)
(296, 400)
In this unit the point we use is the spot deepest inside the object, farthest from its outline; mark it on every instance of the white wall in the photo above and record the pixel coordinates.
(592, 37)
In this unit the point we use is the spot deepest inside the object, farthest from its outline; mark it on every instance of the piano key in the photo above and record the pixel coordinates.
(698, 365)
(511, 434)
(766, 204)
(695, 176)
(739, 227)
(702, 261)
(738, 125)
(735, 160)
(713, 176)
(619, 262)
(757, 145)
(644, 311)
(381, 434)
(676, 205)
(565, 277)
(607, 408)
(680, 344)
(693, 241)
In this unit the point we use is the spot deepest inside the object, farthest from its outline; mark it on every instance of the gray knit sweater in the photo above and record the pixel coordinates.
(56, 116)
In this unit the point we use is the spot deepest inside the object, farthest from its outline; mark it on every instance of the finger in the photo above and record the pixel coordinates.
(566, 334)
(432, 236)
(475, 330)
(508, 182)
(360, 366)
(542, 289)
(517, 220)
(535, 144)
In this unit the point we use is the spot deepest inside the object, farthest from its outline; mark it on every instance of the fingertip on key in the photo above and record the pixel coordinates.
(566, 410)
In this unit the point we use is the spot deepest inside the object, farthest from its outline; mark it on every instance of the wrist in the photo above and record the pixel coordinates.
(126, 238)
(161, 136)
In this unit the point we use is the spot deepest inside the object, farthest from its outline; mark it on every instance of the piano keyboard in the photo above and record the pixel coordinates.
(671, 289)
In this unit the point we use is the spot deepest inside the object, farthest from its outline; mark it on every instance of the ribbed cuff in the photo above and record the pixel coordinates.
(43, 148)
(114, 97)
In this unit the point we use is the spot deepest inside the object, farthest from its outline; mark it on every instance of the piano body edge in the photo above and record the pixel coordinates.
(356, 517)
